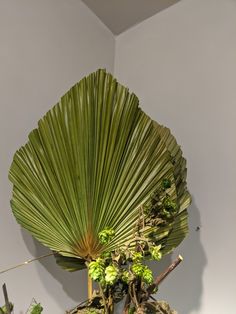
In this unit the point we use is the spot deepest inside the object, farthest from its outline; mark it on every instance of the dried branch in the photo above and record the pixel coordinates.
(26, 263)
(163, 275)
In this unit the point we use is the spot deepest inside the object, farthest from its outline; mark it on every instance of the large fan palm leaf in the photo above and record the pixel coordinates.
(92, 163)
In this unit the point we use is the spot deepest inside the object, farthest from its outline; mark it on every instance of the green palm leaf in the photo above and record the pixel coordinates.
(95, 159)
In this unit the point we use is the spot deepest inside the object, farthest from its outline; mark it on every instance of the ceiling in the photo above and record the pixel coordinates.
(119, 15)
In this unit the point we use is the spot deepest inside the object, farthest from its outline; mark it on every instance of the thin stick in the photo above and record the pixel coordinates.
(135, 298)
(127, 304)
(8, 307)
(25, 263)
(90, 287)
(163, 275)
(103, 299)
(143, 217)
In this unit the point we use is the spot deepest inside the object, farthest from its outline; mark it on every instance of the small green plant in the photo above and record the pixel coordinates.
(35, 308)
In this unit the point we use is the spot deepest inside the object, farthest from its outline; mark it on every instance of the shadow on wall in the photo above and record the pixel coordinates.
(73, 283)
(183, 288)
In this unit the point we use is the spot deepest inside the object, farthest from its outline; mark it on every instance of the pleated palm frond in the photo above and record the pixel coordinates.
(95, 159)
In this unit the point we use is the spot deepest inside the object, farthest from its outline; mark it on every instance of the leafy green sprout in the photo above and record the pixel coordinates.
(36, 309)
(106, 235)
(147, 275)
(166, 184)
(96, 269)
(156, 254)
(143, 272)
(137, 269)
(126, 276)
(169, 207)
(111, 274)
(137, 256)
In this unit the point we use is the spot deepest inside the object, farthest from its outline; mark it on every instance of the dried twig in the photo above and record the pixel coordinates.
(163, 275)
(7, 304)
(25, 263)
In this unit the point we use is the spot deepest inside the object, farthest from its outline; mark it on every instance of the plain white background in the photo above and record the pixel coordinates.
(181, 63)
(46, 46)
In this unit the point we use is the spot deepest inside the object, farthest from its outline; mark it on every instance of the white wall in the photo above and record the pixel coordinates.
(182, 65)
(45, 47)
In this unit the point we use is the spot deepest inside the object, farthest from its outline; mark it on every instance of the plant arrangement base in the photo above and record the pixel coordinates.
(155, 307)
